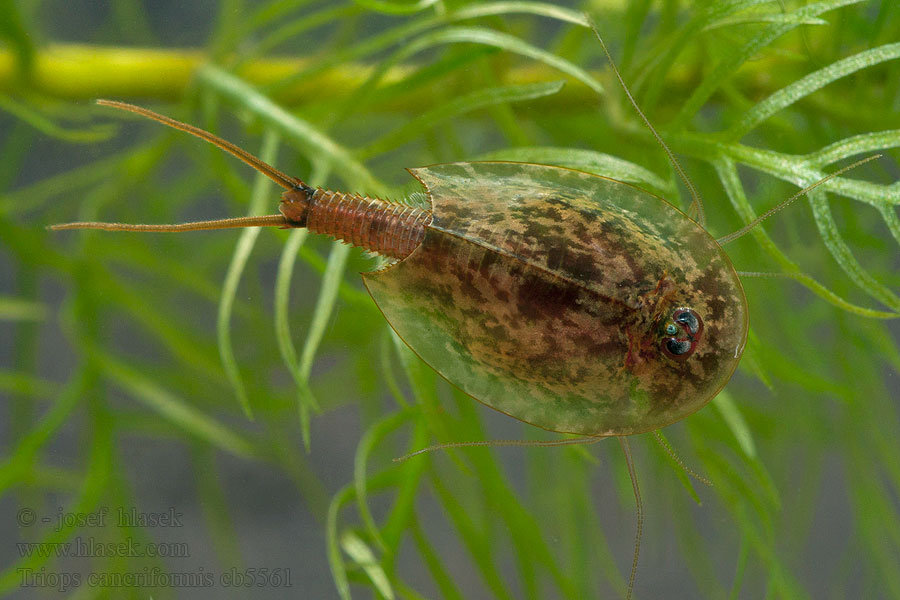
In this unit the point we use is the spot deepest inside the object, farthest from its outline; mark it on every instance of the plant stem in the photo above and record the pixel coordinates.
(86, 72)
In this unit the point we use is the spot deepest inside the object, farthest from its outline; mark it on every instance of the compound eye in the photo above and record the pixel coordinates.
(678, 347)
(682, 334)
(688, 318)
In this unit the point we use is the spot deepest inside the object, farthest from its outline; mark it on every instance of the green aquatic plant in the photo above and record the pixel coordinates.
(261, 348)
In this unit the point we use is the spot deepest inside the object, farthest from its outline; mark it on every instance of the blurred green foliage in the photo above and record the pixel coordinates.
(182, 338)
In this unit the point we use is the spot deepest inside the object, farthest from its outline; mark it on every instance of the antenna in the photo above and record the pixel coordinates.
(735, 235)
(282, 179)
(264, 221)
(696, 203)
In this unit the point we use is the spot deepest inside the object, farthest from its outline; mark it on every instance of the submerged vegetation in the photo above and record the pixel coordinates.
(233, 354)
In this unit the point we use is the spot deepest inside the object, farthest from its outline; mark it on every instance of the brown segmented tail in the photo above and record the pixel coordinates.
(386, 228)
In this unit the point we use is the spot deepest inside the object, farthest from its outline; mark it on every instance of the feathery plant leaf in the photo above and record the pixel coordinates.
(12, 382)
(16, 309)
(728, 175)
(772, 18)
(812, 82)
(306, 402)
(176, 410)
(380, 42)
(45, 125)
(843, 255)
(292, 128)
(736, 423)
(458, 106)
(335, 561)
(541, 9)
(502, 41)
(334, 274)
(395, 8)
(857, 144)
(372, 438)
(363, 556)
(739, 55)
(261, 192)
(585, 160)
(708, 17)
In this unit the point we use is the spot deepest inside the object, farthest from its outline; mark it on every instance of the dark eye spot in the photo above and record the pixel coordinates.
(689, 319)
(682, 334)
(678, 347)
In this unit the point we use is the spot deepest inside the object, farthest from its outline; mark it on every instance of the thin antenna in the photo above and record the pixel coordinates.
(282, 179)
(735, 235)
(623, 441)
(696, 203)
(264, 221)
